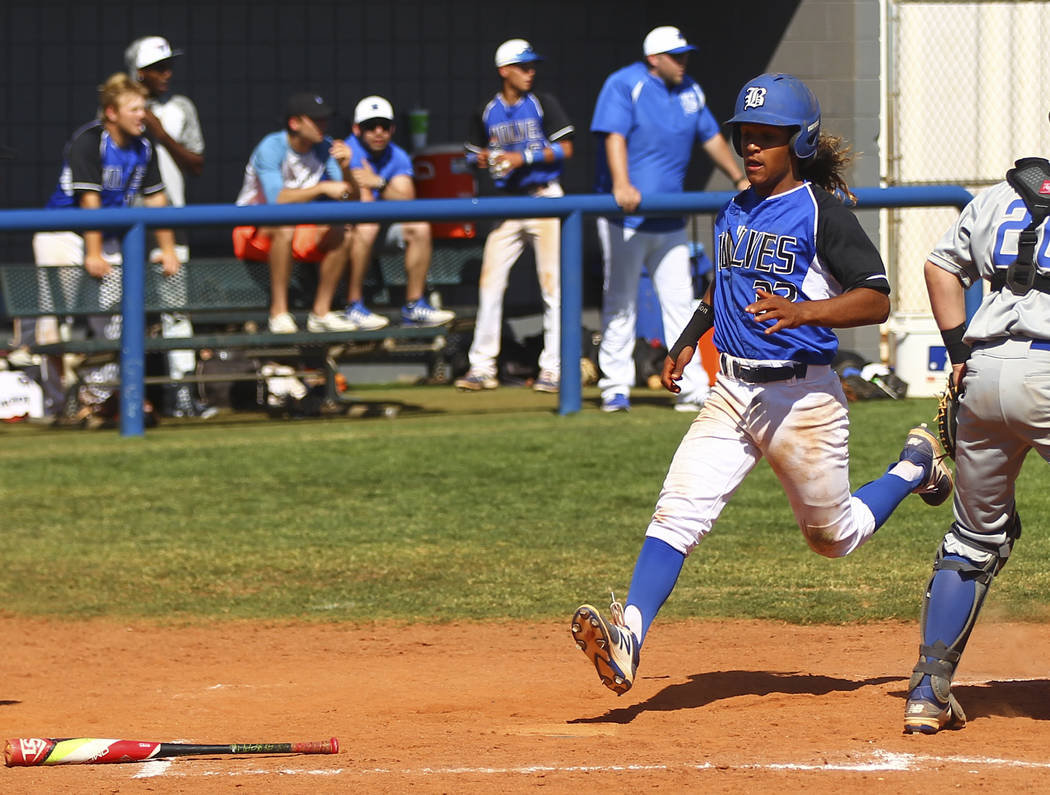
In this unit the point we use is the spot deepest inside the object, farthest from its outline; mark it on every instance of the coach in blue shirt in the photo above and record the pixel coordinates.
(647, 118)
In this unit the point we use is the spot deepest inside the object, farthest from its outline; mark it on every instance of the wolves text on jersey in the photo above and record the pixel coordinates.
(516, 131)
(759, 251)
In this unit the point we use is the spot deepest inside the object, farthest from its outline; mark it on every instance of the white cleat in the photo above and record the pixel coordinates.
(612, 648)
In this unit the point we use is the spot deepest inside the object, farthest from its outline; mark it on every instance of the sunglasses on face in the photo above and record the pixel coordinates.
(375, 124)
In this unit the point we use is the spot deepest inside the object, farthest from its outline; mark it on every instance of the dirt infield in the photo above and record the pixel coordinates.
(723, 707)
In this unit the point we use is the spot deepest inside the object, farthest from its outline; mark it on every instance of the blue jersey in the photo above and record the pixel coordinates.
(534, 122)
(274, 165)
(804, 245)
(389, 163)
(661, 124)
(92, 161)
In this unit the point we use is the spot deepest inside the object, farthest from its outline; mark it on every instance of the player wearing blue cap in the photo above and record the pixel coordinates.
(792, 263)
(647, 118)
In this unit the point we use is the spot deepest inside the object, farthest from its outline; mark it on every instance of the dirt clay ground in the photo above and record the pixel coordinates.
(719, 707)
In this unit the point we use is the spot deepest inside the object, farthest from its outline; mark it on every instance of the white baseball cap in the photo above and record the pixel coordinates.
(667, 39)
(373, 108)
(515, 51)
(148, 51)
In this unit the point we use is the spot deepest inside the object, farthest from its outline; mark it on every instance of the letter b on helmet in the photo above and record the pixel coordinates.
(779, 100)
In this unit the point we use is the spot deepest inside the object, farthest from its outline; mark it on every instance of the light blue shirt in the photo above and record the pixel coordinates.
(274, 165)
(660, 123)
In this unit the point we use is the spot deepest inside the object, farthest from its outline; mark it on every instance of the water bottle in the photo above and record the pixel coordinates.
(496, 170)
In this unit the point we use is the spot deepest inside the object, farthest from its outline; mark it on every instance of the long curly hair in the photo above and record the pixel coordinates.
(833, 156)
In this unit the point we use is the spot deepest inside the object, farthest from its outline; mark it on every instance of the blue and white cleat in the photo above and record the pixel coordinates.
(364, 318)
(548, 381)
(924, 449)
(611, 647)
(615, 403)
(420, 313)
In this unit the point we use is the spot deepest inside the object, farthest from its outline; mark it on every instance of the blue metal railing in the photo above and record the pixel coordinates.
(133, 222)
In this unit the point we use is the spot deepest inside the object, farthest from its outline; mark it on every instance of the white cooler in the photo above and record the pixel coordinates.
(917, 354)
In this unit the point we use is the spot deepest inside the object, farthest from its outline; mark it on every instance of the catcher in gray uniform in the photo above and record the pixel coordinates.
(1001, 362)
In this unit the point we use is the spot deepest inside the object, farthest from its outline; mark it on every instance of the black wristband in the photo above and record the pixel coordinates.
(703, 319)
(958, 351)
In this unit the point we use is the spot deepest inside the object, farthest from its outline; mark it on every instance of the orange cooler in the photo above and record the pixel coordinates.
(442, 172)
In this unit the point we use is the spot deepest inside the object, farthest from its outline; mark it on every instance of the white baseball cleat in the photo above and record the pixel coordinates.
(612, 648)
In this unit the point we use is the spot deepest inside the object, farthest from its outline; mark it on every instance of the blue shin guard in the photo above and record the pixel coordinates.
(963, 570)
(950, 604)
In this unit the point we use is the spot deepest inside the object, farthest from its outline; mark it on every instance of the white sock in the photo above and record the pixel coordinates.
(632, 617)
(906, 470)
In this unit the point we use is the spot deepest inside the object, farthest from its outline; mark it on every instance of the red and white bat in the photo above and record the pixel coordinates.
(30, 751)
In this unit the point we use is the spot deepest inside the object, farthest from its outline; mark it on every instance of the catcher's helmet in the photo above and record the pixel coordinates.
(780, 100)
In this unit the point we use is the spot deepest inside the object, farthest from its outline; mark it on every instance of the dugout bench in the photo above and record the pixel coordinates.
(228, 302)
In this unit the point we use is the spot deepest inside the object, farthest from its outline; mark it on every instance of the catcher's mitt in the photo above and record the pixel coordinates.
(948, 416)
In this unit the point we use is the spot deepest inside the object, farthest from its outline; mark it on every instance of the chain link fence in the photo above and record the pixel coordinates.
(967, 95)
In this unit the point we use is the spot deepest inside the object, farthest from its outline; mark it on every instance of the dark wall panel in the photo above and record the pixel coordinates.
(243, 58)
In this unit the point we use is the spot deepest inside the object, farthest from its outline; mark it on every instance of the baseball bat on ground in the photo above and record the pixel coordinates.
(30, 751)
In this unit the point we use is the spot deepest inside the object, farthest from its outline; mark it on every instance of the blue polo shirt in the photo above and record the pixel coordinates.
(661, 124)
(387, 164)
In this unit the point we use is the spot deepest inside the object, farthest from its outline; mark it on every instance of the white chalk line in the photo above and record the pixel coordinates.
(880, 761)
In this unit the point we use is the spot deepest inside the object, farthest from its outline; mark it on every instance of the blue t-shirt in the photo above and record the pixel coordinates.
(533, 122)
(387, 164)
(660, 123)
(92, 161)
(804, 245)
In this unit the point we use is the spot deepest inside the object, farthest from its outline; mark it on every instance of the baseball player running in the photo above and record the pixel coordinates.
(646, 120)
(999, 237)
(523, 138)
(792, 263)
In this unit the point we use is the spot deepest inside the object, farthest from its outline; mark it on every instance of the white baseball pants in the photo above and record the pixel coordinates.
(801, 426)
(666, 256)
(503, 246)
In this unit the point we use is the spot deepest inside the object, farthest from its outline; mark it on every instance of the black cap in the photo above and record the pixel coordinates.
(308, 104)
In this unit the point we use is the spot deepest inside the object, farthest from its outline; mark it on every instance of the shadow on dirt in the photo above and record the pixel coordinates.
(1008, 699)
(706, 688)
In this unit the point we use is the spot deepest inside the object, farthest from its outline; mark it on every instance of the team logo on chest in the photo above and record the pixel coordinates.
(764, 252)
(690, 104)
(755, 97)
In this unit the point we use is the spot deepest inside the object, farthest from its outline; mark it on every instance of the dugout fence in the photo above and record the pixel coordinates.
(132, 223)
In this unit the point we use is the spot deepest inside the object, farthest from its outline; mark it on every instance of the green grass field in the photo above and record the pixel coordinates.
(463, 507)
